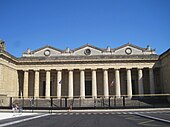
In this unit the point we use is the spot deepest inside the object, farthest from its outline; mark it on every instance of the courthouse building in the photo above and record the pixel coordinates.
(85, 72)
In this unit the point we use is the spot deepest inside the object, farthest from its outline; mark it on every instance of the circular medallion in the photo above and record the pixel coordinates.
(87, 52)
(47, 52)
(128, 51)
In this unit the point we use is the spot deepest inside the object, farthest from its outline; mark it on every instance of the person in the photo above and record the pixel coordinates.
(71, 105)
(15, 108)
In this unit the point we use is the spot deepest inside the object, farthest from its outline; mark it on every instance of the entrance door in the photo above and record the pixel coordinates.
(88, 88)
(44, 87)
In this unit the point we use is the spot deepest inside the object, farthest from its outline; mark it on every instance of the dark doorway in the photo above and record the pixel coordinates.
(88, 88)
(44, 87)
(134, 87)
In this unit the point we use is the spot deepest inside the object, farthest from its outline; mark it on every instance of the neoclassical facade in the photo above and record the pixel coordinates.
(85, 72)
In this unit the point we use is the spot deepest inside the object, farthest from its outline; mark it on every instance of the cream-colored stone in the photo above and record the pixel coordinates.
(47, 90)
(11, 86)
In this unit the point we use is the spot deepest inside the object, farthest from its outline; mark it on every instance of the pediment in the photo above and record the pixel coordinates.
(45, 51)
(87, 50)
(128, 49)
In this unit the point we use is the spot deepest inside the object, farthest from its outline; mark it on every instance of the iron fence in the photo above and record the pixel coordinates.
(136, 101)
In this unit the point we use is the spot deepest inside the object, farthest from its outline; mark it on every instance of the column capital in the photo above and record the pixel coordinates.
(36, 70)
(70, 69)
(105, 68)
(117, 68)
(151, 68)
(59, 70)
(47, 70)
(128, 68)
(82, 69)
(25, 70)
(93, 69)
(140, 68)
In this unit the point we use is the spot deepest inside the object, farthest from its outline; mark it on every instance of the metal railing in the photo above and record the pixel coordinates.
(136, 101)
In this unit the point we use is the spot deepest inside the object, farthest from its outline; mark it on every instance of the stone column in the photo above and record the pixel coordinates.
(25, 83)
(129, 83)
(151, 80)
(70, 84)
(47, 90)
(105, 82)
(94, 85)
(17, 83)
(140, 81)
(59, 83)
(82, 84)
(36, 84)
(117, 83)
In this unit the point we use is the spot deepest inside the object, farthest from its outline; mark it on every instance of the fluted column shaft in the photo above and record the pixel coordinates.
(105, 80)
(117, 83)
(94, 85)
(129, 83)
(25, 83)
(70, 84)
(59, 83)
(140, 81)
(82, 84)
(36, 84)
(47, 90)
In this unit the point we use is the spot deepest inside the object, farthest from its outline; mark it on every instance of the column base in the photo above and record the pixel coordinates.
(82, 97)
(129, 97)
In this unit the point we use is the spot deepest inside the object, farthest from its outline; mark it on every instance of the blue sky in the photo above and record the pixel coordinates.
(73, 23)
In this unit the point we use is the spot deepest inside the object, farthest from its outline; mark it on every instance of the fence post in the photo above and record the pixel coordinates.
(109, 102)
(10, 103)
(51, 101)
(123, 101)
(80, 102)
(23, 102)
(103, 102)
(115, 101)
(65, 102)
(60, 102)
(94, 103)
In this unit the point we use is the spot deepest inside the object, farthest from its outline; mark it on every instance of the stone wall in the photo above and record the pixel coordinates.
(9, 81)
(165, 71)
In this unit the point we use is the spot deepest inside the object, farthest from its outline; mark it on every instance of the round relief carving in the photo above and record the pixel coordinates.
(87, 52)
(128, 51)
(47, 52)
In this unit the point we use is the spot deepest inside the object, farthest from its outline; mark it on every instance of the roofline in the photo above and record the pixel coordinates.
(128, 44)
(47, 46)
(92, 46)
(164, 54)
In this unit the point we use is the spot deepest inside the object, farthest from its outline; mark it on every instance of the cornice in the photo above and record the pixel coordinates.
(78, 59)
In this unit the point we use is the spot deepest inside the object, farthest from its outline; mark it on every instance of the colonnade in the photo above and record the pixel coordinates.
(94, 83)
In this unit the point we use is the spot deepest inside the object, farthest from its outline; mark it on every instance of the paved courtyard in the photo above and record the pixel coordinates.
(93, 118)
